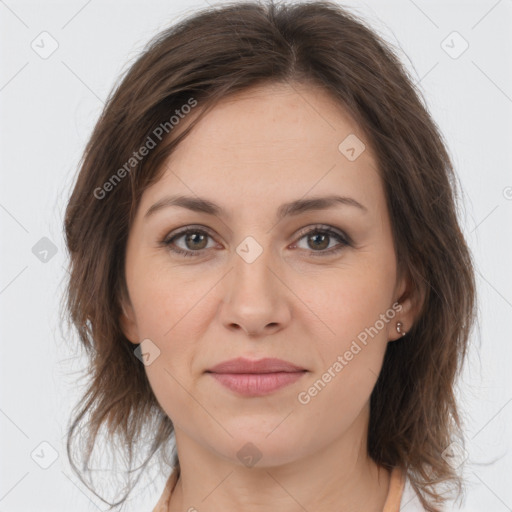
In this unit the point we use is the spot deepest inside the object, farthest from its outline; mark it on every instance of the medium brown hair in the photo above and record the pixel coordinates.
(208, 56)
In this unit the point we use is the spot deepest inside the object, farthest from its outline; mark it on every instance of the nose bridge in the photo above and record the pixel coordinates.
(253, 296)
(253, 261)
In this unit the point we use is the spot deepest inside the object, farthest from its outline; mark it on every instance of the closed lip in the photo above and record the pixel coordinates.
(265, 365)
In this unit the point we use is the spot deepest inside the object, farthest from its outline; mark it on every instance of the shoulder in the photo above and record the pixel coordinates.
(401, 495)
(163, 502)
(410, 501)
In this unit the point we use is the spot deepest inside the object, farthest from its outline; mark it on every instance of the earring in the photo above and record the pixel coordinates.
(399, 328)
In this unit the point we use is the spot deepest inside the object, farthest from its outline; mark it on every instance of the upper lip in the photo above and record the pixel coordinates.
(266, 365)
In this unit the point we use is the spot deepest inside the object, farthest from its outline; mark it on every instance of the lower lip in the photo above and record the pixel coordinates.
(257, 384)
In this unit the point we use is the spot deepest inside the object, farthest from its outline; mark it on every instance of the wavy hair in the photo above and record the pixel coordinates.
(208, 56)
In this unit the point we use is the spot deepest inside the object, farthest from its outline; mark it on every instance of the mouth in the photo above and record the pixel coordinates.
(256, 378)
(256, 384)
(266, 365)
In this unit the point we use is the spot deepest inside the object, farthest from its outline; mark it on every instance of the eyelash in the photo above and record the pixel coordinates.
(320, 229)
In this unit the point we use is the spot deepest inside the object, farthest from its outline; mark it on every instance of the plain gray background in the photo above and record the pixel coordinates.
(49, 105)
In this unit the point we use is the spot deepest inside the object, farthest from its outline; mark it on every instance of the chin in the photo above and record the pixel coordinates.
(255, 447)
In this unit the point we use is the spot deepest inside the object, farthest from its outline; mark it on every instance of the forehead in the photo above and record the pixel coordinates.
(275, 117)
(272, 139)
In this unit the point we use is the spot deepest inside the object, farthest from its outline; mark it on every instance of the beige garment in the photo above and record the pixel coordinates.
(163, 502)
(396, 487)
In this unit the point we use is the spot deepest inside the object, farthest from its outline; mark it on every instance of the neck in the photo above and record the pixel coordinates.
(339, 478)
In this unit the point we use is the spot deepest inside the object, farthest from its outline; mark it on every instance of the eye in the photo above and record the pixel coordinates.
(195, 240)
(318, 240)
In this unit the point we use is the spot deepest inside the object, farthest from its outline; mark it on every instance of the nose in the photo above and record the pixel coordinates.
(255, 298)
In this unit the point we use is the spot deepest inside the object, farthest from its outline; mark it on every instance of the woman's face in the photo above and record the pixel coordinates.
(253, 283)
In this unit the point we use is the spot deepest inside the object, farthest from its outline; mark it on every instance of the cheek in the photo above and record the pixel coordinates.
(351, 356)
(352, 338)
(348, 301)
(170, 311)
(356, 305)
(164, 299)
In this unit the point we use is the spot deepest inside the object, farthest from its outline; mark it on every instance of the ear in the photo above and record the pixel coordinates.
(409, 299)
(128, 323)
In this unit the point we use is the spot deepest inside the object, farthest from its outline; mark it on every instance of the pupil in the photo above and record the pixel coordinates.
(324, 238)
(194, 236)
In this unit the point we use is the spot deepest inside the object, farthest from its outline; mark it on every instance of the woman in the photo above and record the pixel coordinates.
(303, 356)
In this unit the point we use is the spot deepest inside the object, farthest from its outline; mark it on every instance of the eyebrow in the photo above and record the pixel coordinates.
(203, 205)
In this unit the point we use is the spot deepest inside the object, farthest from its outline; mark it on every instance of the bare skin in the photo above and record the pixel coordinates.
(298, 301)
